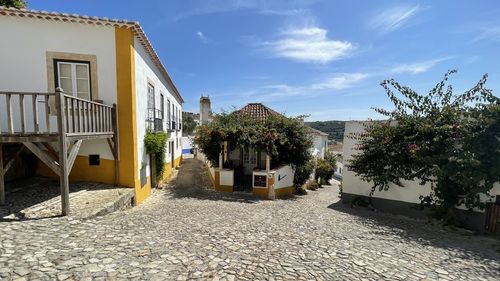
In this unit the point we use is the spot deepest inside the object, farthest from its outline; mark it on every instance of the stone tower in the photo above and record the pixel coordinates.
(205, 110)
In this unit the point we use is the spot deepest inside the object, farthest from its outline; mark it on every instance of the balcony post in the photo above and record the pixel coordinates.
(63, 150)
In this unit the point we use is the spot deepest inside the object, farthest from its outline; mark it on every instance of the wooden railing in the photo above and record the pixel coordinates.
(19, 124)
(86, 117)
(25, 115)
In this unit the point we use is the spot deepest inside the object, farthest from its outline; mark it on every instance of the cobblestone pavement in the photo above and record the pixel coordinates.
(37, 198)
(184, 232)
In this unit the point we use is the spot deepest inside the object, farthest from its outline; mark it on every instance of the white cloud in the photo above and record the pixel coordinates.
(292, 12)
(334, 82)
(339, 82)
(393, 18)
(310, 45)
(487, 33)
(418, 67)
(275, 7)
(202, 36)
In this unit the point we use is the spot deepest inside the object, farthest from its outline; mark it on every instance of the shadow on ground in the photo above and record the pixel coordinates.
(464, 243)
(38, 198)
(193, 181)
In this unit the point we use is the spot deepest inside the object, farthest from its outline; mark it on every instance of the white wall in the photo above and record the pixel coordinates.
(354, 185)
(23, 65)
(226, 177)
(283, 177)
(145, 72)
(319, 146)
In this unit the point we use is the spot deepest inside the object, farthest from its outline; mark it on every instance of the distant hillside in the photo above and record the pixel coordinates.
(334, 129)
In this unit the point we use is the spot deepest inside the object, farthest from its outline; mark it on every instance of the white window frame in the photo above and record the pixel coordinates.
(74, 79)
(250, 157)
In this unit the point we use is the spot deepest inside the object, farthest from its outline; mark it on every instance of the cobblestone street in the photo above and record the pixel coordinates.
(186, 231)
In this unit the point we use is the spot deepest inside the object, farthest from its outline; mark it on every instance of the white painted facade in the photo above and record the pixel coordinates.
(320, 146)
(146, 72)
(226, 177)
(23, 65)
(352, 184)
(283, 177)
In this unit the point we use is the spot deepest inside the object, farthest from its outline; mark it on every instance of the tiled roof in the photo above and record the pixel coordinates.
(79, 19)
(257, 111)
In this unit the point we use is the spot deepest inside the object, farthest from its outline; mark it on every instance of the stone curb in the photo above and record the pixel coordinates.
(125, 201)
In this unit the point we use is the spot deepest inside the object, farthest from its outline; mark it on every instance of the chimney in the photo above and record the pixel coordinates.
(205, 109)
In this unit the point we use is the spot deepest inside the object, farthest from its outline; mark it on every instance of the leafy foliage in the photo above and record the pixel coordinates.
(285, 139)
(303, 173)
(450, 141)
(188, 124)
(334, 129)
(156, 145)
(19, 4)
(312, 185)
(324, 171)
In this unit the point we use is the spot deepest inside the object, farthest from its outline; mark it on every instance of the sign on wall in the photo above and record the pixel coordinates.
(260, 180)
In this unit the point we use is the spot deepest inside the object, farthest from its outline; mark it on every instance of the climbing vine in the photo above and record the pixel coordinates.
(450, 141)
(286, 139)
(156, 145)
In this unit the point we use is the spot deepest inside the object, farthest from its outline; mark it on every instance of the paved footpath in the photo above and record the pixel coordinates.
(186, 231)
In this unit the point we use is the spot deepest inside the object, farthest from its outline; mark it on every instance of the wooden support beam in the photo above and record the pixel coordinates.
(2, 182)
(43, 156)
(63, 148)
(52, 152)
(73, 153)
(11, 161)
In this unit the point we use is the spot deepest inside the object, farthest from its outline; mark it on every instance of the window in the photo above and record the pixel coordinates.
(162, 106)
(168, 115)
(250, 157)
(74, 78)
(151, 96)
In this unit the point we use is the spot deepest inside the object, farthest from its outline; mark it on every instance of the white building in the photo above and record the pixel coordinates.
(400, 200)
(320, 143)
(95, 61)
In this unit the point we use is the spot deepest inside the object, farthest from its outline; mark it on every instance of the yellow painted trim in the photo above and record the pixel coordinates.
(125, 87)
(260, 192)
(142, 192)
(167, 174)
(283, 192)
(82, 171)
(217, 179)
(270, 181)
(224, 188)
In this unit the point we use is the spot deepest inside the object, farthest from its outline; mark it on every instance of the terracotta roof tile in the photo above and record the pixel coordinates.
(79, 19)
(257, 111)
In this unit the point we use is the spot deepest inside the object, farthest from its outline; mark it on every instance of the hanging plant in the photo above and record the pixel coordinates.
(156, 145)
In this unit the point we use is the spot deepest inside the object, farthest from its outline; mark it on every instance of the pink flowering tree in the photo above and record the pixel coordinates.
(449, 141)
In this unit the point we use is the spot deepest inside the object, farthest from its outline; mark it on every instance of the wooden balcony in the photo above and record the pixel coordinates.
(29, 120)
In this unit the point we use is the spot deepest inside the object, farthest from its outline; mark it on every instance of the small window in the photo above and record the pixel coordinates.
(74, 78)
(162, 106)
(151, 96)
(94, 160)
(168, 111)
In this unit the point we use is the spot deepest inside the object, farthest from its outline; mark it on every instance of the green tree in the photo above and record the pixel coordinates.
(19, 4)
(447, 140)
(188, 124)
(285, 139)
(324, 171)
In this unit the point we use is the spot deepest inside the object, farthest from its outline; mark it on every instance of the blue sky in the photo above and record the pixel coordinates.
(321, 58)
